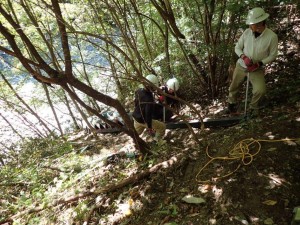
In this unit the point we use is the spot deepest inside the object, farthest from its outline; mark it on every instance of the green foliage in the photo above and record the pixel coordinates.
(121, 43)
(35, 149)
(171, 210)
(81, 209)
(26, 180)
(48, 170)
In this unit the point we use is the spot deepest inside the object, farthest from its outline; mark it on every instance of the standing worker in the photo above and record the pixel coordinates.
(257, 47)
(143, 113)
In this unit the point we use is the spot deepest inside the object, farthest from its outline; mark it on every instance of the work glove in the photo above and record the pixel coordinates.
(161, 98)
(247, 60)
(151, 132)
(253, 67)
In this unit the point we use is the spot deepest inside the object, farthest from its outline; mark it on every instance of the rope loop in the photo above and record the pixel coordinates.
(244, 151)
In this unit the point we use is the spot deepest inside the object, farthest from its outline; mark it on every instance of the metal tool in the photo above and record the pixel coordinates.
(247, 89)
(164, 108)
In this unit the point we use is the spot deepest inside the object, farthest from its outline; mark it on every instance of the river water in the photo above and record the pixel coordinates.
(8, 137)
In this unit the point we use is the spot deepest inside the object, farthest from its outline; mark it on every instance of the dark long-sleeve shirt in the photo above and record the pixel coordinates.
(143, 110)
(169, 101)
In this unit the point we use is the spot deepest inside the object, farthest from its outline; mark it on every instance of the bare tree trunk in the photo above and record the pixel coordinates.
(30, 125)
(168, 60)
(73, 97)
(8, 152)
(53, 109)
(166, 12)
(128, 129)
(26, 105)
(85, 75)
(71, 112)
(133, 3)
(66, 77)
(12, 127)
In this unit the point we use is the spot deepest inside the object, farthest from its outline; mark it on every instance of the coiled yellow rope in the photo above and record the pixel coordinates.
(243, 151)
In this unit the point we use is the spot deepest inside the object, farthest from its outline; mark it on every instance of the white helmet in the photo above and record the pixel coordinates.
(256, 15)
(153, 79)
(173, 84)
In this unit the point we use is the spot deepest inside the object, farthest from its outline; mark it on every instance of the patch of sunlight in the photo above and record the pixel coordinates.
(270, 135)
(204, 188)
(217, 192)
(67, 215)
(212, 221)
(125, 208)
(122, 210)
(254, 220)
(232, 180)
(276, 181)
(218, 110)
(289, 141)
(242, 220)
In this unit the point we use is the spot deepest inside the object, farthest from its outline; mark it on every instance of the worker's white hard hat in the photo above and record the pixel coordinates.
(153, 79)
(256, 15)
(173, 84)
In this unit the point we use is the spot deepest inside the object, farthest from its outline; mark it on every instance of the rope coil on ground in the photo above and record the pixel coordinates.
(243, 151)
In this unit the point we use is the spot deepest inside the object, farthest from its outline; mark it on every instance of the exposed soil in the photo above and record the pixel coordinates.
(263, 192)
(243, 174)
(259, 186)
(272, 175)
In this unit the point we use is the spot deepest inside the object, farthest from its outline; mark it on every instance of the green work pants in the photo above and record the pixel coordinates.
(257, 79)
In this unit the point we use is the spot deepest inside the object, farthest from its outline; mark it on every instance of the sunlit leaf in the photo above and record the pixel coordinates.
(270, 202)
(268, 221)
(272, 149)
(193, 200)
(291, 143)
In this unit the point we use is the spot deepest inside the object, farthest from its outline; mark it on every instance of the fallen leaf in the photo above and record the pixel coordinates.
(268, 221)
(270, 202)
(194, 214)
(272, 149)
(193, 200)
(183, 190)
(290, 143)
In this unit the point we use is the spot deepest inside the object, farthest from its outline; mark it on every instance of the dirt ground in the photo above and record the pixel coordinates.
(248, 173)
(244, 174)
(265, 191)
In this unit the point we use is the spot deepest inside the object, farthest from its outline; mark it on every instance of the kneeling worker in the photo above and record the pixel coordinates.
(143, 113)
(161, 112)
